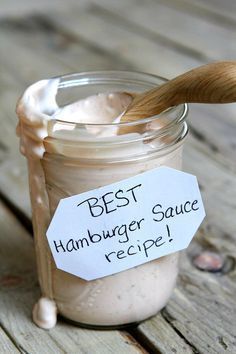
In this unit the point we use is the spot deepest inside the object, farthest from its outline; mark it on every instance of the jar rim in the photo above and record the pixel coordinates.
(94, 77)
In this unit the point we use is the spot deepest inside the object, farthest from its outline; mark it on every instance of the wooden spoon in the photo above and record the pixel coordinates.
(211, 83)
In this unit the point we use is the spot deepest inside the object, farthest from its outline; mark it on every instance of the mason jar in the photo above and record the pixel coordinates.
(63, 160)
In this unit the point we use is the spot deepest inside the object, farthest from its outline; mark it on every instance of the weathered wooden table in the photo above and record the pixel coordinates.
(42, 39)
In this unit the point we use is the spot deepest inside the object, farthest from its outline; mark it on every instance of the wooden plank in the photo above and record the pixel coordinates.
(19, 291)
(209, 40)
(203, 306)
(43, 52)
(10, 8)
(6, 344)
(203, 311)
(14, 183)
(226, 8)
(218, 12)
(218, 188)
(215, 126)
(213, 175)
(162, 337)
(209, 123)
(147, 54)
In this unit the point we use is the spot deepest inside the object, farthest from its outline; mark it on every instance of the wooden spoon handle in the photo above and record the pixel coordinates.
(211, 83)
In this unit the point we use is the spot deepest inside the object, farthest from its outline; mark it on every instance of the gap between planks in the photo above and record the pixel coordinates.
(7, 345)
(220, 15)
(206, 40)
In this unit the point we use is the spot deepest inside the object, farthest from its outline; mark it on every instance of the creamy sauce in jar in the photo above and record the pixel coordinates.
(67, 161)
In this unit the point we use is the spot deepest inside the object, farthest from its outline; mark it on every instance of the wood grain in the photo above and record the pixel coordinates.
(211, 83)
(6, 344)
(190, 27)
(203, 305)
(162, 337)
(125, 43)
(216, 7)
(199, 316)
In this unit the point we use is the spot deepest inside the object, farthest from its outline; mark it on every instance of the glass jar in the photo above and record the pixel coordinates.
(64, 160)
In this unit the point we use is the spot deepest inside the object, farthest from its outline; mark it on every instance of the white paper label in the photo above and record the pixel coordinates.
(125, 224)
